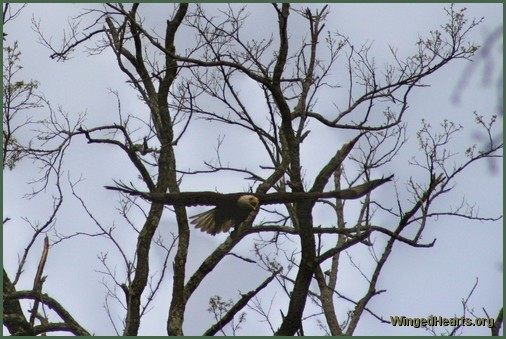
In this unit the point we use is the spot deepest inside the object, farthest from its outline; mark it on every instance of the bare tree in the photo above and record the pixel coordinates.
(181, 86)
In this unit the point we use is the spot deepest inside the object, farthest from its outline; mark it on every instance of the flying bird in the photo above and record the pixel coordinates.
(226, 214)
(234, 208)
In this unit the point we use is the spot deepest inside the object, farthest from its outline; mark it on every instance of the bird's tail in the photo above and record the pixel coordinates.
(206, 222)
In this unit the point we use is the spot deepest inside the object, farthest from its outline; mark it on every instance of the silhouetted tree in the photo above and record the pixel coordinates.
(181, 82)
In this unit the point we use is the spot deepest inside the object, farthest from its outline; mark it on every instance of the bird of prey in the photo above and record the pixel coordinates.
(226, 214)
(234, 208)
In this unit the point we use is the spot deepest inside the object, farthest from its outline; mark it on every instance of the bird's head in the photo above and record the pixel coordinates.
(248, 201)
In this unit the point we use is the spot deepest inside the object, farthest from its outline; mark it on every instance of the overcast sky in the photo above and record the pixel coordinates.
(419, 282)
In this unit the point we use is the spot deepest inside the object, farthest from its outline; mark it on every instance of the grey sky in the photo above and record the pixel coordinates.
(419, 282)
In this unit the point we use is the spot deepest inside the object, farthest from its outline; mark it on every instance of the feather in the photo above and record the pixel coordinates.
(214, 198)
(234, 208)
(226, 215)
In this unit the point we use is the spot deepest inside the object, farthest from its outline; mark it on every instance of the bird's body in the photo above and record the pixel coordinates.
(233, 208)
(227, 214)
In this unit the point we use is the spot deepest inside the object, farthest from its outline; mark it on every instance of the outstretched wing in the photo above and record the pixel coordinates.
(354, 192)
(214, 198)
(204, 198)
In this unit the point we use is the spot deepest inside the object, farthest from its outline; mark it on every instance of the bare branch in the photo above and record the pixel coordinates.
(70, 324)
(238, 306)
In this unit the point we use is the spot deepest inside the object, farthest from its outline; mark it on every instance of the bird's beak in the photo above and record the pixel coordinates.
(255, 203)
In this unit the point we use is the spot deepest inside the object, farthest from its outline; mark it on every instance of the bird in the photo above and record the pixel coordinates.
(226, 214)
(231, 209)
